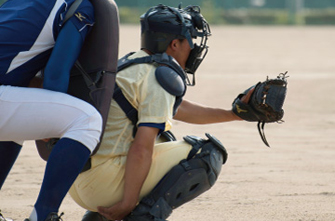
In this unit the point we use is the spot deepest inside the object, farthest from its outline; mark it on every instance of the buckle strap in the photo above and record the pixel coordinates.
(128, 109)
(196, 143)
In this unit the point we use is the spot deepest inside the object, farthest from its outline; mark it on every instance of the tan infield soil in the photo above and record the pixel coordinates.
(292, 180)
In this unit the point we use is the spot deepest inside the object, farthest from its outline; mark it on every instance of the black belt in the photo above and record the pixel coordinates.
(87, 165)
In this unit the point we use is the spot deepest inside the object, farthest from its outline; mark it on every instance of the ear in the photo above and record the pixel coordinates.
(174, 44)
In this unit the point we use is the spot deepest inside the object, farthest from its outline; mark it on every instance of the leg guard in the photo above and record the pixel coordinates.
(184, 182)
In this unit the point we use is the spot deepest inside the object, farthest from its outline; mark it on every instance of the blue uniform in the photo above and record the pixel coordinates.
(29, 30)
(33, 37)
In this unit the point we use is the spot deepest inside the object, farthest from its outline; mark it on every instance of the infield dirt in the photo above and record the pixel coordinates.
(292, 180)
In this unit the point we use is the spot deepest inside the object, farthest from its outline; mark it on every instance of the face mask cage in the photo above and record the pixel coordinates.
(192, 26)
(198, 53)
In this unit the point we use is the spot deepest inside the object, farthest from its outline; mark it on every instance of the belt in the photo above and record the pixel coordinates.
(87, 165)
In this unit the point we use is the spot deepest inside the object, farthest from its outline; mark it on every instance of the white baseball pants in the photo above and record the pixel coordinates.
(33, 114)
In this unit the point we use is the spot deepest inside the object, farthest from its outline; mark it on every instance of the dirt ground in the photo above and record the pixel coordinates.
(292, 180)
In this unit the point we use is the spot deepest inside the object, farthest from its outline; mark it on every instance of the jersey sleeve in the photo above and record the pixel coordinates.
(83, 18)
(155, 104)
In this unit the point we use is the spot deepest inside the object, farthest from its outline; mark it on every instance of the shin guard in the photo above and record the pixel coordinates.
(185, 181)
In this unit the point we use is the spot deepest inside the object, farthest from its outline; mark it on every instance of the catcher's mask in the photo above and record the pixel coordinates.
(162, 24)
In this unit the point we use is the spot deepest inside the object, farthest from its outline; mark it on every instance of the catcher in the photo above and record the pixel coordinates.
(134, 175)
(137, 175)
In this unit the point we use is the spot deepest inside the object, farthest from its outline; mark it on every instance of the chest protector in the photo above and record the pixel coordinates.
(168, 74)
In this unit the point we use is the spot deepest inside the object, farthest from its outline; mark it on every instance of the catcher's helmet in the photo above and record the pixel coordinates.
(162, 24)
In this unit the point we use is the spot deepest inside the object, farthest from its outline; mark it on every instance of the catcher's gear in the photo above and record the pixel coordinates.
(185, 181)
(52, 217)
(265, 103)
(161, 24)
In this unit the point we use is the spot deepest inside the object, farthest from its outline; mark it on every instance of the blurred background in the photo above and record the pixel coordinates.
(244, 12)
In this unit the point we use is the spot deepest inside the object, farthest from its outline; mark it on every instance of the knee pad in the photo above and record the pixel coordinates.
(212, 153)
(185, 181)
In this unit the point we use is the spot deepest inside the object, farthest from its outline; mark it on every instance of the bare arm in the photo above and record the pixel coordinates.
(194, 113)
(137, 168)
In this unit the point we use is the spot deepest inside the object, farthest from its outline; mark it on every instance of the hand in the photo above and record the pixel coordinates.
(116, 212)
(245, 99)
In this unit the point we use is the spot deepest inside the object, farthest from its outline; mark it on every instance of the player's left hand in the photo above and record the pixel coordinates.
(116, 212)
(264, 104)
(245, 99)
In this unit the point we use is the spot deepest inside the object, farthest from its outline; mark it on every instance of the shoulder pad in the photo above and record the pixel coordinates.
(170, 81)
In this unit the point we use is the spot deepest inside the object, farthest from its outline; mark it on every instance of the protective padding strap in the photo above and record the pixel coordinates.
(198, 143)
(161, 59)
(127, 108)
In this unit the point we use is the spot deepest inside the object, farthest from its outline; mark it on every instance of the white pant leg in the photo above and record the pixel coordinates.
(32, 114)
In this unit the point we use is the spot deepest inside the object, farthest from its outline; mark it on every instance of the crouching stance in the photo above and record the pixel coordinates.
(134, 175)
(31, 113)
(185, 181)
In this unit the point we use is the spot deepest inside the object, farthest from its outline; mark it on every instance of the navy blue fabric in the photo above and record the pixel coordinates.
(29, 30)
(160, 126)
(9, 152)
(64, 55)
(65, 162)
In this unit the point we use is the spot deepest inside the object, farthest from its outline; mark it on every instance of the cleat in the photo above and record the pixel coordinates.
(2, 218)
(51, 217)
(54, 217)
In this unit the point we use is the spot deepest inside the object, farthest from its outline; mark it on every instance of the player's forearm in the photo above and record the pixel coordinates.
(197, 114)
(137, 169)
(138, 163)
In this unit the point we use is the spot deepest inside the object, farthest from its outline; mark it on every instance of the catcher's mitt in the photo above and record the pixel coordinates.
(265, 103)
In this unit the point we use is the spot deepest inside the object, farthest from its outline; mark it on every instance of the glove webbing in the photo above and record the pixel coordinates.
(261, 124)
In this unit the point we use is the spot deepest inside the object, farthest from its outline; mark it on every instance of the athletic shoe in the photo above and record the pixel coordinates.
(54, 217)
(2, 218)
(51, 217)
